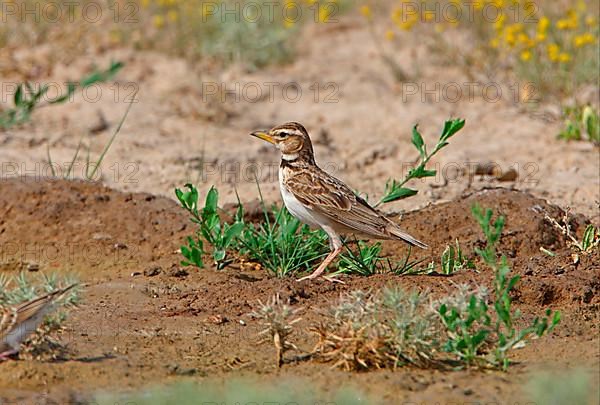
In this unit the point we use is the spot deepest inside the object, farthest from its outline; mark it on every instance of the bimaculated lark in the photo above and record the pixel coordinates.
(17, 323)
(319, 199)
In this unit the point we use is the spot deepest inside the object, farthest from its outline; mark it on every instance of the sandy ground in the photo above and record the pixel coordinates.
(192, 125)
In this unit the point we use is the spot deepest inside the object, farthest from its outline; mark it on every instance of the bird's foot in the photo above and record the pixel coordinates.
(7, 354)
(331, 279)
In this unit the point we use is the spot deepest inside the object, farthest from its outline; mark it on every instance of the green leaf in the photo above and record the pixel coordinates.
(18, 98)
(399, 194)
(417, 140)
(450, 128)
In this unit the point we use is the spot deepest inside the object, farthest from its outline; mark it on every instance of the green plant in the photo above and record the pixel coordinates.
(581, 123)
(27, 98)
(453, 260)
(470, 328)
(395, 190)
(220, 235)
(282, 244)
(590, 239)
(367, 261)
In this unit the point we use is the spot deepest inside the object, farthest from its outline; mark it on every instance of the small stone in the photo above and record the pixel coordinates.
(152, 271)
(135, 273)
(178, 272)
(33, 267)
(468, 392)
(120, 246)
(101, 236)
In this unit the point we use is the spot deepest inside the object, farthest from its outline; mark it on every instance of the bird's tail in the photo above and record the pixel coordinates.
(398, 233)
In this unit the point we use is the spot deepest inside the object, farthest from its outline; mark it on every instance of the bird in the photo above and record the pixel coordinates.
(18, 322)
(320, 200)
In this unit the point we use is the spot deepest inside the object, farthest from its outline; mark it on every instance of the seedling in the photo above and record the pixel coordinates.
(282, 244)
(220, 235)
(591, 235)
(395, 190)
(581, 123)
(470, 328)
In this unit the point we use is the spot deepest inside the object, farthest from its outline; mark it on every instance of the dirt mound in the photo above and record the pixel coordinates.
(143, 314)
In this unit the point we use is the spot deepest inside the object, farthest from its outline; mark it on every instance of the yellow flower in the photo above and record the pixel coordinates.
(366, 11)
(172, 15)
(564, 57)
(158, 21)
(525, 55)
(499, 23)
(389, 35)
(323, 14)
(494, 43)
(540, 37)
(553, 52)
(590, 21)
(584, 39)
(543, 25)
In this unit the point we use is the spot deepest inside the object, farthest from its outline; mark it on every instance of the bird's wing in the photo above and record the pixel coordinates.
(332, 198)
(29, 309)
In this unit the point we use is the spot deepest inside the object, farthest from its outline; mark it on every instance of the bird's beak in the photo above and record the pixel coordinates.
(264, 136)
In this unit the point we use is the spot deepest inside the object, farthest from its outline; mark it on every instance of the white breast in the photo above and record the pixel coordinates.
(295, 207)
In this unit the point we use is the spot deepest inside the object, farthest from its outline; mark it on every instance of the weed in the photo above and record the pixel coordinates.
(395, 190)
(366, 262)
(581, 123)
(470, 328)
(220, 235)
(387, 329)
(276, 318)
(26, 98)
(283, 244)
(591, 235)
(453, 260)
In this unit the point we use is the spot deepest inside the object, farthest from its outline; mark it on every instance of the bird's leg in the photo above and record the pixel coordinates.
(335, 244)
(332, 255)
(6, 355)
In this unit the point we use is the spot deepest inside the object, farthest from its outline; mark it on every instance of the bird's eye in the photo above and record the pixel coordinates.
(283, 134)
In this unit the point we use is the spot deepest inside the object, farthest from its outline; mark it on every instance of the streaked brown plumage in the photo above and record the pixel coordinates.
(19, 322)
(319, 199)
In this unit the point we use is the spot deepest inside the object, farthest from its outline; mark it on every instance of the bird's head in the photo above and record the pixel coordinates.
(291, 138)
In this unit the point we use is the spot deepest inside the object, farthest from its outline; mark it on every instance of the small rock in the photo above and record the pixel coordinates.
(468, 392)
(176, 370)
(135, 273)
(120, 246)
(152, 271)
(101, 236)
(178, 272)
(33, 267)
